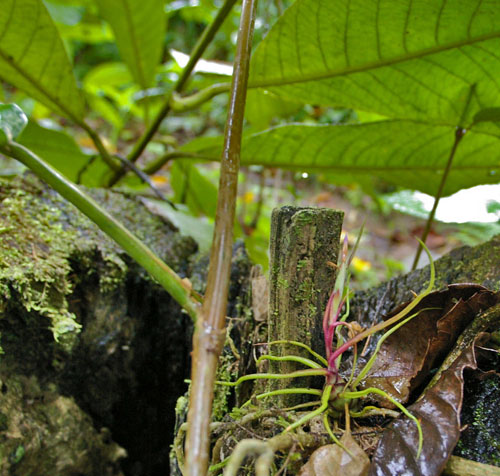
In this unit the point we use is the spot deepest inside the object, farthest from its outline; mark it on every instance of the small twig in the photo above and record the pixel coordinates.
(94, 136)
(80, 173)
(145, 178)
(198, 50)
(156, 164)
(459, 134)
(282, 470)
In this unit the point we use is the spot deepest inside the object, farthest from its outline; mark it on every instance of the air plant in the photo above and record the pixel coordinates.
(338, 394)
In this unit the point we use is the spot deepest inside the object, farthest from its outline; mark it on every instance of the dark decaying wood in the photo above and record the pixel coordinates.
(304, 244)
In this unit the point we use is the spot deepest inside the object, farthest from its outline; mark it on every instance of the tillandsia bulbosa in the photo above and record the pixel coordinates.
(340, 394)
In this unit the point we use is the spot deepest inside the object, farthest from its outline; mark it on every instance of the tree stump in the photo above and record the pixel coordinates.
(304, 243)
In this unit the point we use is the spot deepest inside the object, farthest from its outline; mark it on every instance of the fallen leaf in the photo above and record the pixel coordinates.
(406, 357)
(333, 460)
(438, 411)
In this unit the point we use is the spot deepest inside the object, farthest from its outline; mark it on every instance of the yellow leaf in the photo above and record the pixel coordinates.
(361, 264)
(159, 179)
(248, 197)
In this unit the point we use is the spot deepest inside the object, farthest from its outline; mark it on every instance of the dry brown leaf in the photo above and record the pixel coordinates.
(407, 356)
(332, 460)
(260, 295)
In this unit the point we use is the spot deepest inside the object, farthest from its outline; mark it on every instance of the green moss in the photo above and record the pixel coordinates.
(226, 372)
(42, 235)
(301, 263)
(181, 406)
(480, 441)
(282, 283)
(34, 267)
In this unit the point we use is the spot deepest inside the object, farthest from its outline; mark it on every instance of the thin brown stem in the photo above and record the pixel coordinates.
(198, 50)
(94, 136)
(209, 330)
(459, 133)
(430, 219)
(156, 164)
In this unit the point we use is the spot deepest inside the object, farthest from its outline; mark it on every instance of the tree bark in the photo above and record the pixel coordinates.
(304, 245)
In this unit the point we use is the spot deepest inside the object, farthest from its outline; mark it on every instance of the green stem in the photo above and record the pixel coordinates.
(183, 104)
(198, 50)
(303, 346)
(108, 224)
(382, 325)
(297, 373)
(209, 333)
(290, 358)
(285, 391)
(325, 398)
(328, 429)
(370, 362)
(367, 391)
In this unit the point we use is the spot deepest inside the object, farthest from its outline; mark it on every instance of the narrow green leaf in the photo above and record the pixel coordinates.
(401, 59)
(139, 28)
(406, 153)
(12, 122)
(33, 58)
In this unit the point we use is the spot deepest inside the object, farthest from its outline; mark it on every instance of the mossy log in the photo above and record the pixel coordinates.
(479, 265)
(95, 352)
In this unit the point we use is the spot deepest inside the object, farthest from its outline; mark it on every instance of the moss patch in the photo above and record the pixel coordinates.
(41, 235)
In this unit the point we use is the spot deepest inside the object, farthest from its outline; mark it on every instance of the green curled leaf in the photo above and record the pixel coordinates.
(12, 122)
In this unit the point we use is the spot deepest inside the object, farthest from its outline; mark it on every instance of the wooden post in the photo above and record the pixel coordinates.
(303, 242)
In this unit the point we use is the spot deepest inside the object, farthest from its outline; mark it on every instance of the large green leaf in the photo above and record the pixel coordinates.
(62, 152)
(192, 188)
(139, 28)
(33, 58)
(407, 153)
(431, 60)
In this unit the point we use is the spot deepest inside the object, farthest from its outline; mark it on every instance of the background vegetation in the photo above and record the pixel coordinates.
(348, 102)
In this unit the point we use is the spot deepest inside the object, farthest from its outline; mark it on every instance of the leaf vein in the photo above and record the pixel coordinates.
(377, 30)
(407, 20)
(346, 30)
(438, 21)
(33, 34)
(473, 16)
(428, 88)
(317, 76)
(480, 67)
(8, 22)
(318, 35)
